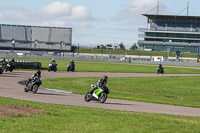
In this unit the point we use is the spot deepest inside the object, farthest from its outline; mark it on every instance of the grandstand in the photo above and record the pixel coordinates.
(170, 33)
(35, 38)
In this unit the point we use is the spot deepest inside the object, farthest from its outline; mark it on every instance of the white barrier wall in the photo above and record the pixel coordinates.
(160, 58)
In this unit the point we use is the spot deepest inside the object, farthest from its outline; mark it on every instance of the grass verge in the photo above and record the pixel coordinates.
(184, 91)
(94, 66)
(71, 119)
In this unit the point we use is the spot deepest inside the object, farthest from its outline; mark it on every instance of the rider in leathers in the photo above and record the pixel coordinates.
(3, 62)
(102, 83)
(37, 74)
(160, 66)
(53, 62)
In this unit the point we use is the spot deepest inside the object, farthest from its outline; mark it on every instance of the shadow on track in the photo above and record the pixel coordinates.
(9, 75)
(49, 94)
(117, 103)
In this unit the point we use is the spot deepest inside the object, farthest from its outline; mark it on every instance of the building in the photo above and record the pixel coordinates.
(35, 38)
(170, 33)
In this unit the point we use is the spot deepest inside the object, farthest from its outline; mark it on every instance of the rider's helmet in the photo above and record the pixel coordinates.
(105, 78)
(72, 61)
(39, 72)
(13, 59)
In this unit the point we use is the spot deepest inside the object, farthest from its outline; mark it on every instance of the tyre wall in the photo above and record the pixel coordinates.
(28, 65)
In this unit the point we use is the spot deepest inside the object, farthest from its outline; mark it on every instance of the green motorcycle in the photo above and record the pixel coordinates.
(98, 94)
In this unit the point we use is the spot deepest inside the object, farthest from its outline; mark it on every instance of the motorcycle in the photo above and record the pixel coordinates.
(32, 84)
(70, 67)
(98, 94)
(160, 70)
(52, 67)
(9, 67)
(3, 67)
(1, 70)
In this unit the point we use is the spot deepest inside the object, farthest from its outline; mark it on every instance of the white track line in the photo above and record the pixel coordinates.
(56, 90)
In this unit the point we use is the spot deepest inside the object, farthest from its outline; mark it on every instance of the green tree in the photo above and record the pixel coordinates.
(134, 47)
(109, 45)
(121, 45)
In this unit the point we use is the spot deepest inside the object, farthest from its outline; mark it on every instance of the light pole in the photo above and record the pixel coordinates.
(61, 47)
(13, 44)
(73, 49)
(78, 49)
(102, 50)
(35, 44)
(111, 53)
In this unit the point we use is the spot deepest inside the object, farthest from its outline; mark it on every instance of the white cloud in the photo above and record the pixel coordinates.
(140, 6)
(133, 10)
(56, 9)
(65, 11)
(54, 14)
(12, 7)
(81, 13)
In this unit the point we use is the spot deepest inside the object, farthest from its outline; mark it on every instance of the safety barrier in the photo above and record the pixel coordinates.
(28, 65)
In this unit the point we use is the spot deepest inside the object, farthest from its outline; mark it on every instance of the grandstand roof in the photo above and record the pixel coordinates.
(35, 26)
(172, 17)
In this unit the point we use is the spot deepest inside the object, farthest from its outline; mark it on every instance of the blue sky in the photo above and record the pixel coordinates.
(94, 22)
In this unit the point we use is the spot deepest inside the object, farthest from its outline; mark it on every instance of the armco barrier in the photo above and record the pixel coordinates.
(28, 65)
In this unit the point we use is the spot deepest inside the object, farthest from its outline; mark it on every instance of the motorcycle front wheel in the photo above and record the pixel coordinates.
(88, 97)
(102, 97)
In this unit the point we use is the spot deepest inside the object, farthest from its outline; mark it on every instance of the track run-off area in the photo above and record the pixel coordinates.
(10, 88)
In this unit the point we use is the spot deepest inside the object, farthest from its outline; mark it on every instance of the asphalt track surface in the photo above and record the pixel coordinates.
(9, 87)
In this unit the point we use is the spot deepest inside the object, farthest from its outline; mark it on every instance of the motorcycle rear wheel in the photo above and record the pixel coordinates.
(25, 89)
(102, 97)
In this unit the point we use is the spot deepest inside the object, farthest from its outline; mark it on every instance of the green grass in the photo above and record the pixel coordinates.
(70, 119)
(184, 91)
(94, 66)
(136, 52)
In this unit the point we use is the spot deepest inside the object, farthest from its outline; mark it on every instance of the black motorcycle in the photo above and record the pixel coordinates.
(9, 66)
(32, 84)
(1, 69)
(160, 70)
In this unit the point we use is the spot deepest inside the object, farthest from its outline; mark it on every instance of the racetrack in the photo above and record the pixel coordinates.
(10, 88)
